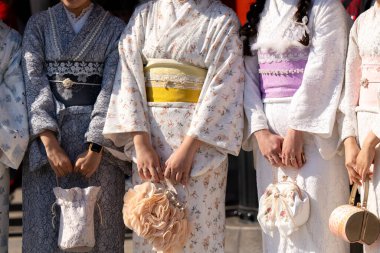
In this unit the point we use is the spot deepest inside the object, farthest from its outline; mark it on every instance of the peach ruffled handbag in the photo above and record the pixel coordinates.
(154, 213)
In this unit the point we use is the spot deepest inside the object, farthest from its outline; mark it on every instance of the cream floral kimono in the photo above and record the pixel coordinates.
(181, 73)
(14, 132)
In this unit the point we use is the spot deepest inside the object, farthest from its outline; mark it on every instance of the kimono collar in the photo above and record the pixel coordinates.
(85, 12)
(78, 22)
(197, 3)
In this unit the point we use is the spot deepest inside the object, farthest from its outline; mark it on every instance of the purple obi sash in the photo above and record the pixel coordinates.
(281, 75)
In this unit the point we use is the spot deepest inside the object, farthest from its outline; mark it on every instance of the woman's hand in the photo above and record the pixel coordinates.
(352, 150)
(292, 149)
(57, 157)
(178, 166)
(148, 163)
(366, 156)
(88, 163)
(270, 146)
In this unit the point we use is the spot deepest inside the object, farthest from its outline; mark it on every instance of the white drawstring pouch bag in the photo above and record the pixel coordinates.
(284, 207)
(76, 228)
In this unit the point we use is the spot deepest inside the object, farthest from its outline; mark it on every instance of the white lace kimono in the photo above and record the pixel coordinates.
(311, 109)
(200, 33)
(359, 107)
(14, 132)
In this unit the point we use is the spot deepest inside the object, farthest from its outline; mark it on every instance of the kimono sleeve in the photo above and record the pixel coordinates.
(255, 118)
(346, 115)
(314, 105)
(126, 112)
(219, 118)
(14, 133)
(98, 116)
(40, 101)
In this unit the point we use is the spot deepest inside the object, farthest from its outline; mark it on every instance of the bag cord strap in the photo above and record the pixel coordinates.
(354, 190)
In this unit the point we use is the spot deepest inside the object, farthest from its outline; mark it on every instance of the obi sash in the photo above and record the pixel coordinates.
(280, 78)
(167, 80)
(370, 84)
(75, 83)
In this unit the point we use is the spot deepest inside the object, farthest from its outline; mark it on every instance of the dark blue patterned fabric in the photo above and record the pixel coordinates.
(74, 125)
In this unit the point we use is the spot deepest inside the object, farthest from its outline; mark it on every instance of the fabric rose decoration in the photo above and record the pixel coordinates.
(155, 214)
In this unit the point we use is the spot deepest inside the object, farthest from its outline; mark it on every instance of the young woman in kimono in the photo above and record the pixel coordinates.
(70, 59)
(294, 73)
(177, 106)
(14, 134)
(360, 108)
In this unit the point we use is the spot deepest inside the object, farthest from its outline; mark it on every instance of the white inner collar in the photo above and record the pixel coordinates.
(78, 22)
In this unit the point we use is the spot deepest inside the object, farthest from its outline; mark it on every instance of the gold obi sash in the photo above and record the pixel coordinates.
(172, 81)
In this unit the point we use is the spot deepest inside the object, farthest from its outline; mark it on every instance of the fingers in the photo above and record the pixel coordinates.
(175, 175)
(147, 173)
(57, 170)
(299, 160)
(171, 173)
(67, 166)
(354, 176)
(285, 158)
(153, 174)
(293, 159)
(178, 177)
(62, 168)
(274, 160)
(160, 173)
(185, 178)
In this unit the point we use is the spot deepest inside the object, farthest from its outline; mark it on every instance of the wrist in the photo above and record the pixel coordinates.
(294, 131)
(49, 140)
(350, 142)
(95, 148)
(190, 144)
(371, 141)
(141, 139)
(263, 133)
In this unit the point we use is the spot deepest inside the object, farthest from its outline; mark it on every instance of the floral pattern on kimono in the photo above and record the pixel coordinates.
(50, 42)
(201, 33)
(14, 134)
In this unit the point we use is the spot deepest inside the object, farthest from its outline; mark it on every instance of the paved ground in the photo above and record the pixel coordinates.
(241, 237)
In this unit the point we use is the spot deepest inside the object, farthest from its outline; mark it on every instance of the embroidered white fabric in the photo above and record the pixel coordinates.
(283, 206)
(313, 106)
(76, 229)
(363, 43)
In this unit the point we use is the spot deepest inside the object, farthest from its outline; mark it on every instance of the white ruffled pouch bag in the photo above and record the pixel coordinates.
(76, 228)
(284, 206)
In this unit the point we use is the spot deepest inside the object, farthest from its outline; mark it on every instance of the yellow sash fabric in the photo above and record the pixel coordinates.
(172, 81)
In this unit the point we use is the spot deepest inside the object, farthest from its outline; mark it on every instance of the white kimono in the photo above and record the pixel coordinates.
(201, 35)
(14, 133)
(311, 109)
(359, 107)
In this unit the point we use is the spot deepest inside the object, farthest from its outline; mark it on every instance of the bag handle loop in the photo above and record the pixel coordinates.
(354, 190)
(293, 181)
